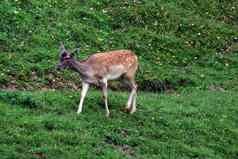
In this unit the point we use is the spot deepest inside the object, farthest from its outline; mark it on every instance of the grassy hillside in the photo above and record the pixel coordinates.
(202, 124)
(179, 43)
(188, 46)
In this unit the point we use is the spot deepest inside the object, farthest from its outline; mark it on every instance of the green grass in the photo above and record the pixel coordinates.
(197, 124)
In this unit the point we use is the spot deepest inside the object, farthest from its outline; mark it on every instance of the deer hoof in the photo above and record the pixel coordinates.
(107, 114)
(126, 110)
(132, 111)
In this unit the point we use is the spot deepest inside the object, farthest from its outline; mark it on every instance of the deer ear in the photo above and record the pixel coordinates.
(77, 50)
(72, 54)
(62, 48)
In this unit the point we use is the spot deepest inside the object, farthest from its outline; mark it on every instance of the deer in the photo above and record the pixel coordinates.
(98, 68)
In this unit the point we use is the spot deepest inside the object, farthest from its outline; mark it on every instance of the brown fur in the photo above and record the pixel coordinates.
(103, 61)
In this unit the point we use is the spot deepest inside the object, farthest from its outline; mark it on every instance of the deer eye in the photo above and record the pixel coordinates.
(64, 54)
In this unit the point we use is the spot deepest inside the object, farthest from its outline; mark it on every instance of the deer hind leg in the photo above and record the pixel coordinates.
(85, 87)
(103, 83)
(131, 103)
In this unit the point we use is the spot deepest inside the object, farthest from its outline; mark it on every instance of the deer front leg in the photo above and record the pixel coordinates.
(104, 91)
(133, 107)
(85, 87)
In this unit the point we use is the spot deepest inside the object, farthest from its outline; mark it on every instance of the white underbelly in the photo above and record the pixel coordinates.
(113, 76)
(115, 72)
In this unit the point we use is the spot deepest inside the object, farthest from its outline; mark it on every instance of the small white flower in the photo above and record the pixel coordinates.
(16, 12)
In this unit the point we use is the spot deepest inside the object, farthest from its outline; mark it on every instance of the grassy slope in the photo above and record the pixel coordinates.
(201, 124)
(178, 42)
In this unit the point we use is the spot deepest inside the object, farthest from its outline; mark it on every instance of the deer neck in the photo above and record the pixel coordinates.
(79, 67)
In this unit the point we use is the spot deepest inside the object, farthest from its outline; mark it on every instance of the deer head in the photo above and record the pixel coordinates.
(66, 58)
